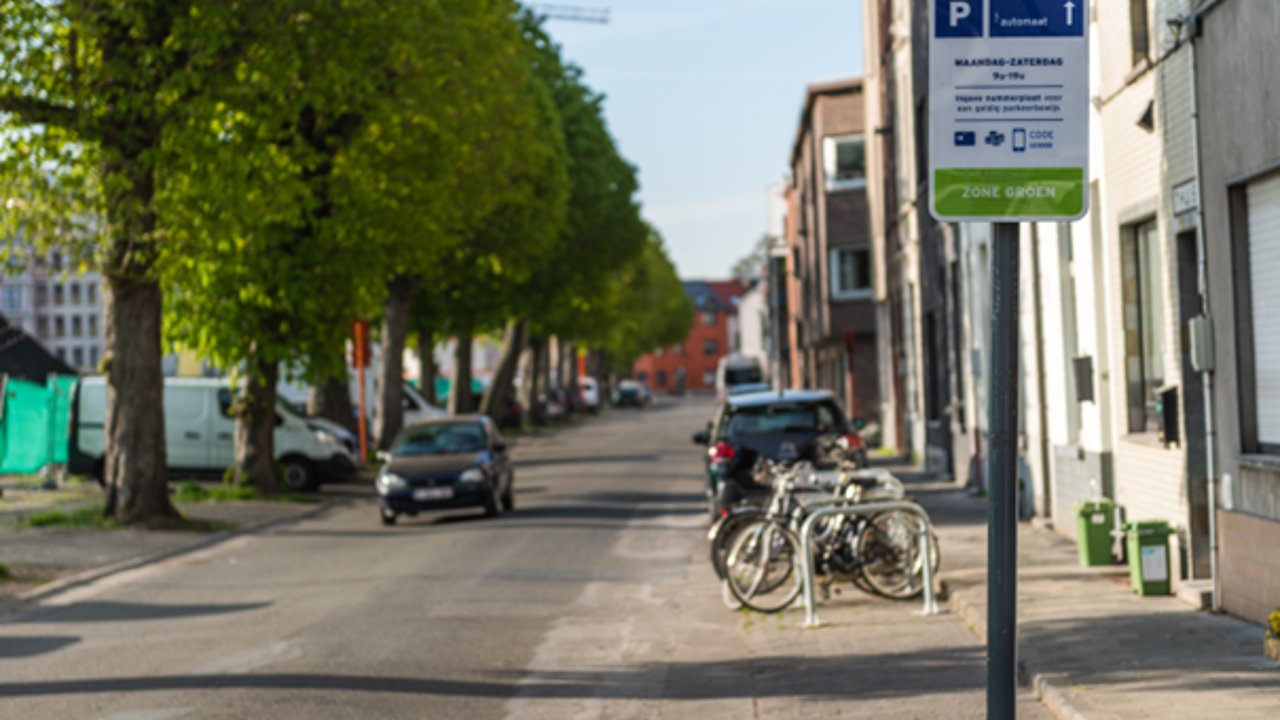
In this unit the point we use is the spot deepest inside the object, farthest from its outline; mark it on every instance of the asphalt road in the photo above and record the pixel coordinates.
(593, 599)
(443, 616)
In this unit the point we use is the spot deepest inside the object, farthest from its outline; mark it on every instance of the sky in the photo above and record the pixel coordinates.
(704, 97)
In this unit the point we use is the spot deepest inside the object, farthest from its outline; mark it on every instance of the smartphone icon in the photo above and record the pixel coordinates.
(1019, 140)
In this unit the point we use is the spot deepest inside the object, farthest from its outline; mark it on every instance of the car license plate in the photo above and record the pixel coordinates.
(440, 493)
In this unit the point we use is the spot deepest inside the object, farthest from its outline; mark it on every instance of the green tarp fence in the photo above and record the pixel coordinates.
(34, 423)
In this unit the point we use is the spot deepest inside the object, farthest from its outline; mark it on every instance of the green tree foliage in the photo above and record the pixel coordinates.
(347, 152)
(645, 308)
(89, 93)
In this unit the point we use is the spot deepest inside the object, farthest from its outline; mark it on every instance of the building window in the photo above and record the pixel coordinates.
(77, 357)
(677, 350)
(708, 317)
(76, 326)
(660, 352)
(711, 347)
(850, 272)
(93, 356)
(93, 326)
(1143, 325)
(709, 378)
(91, 293)
(1139, 31)
(12, 298)
(75, 293)
(642, 376)
(42, 328)
(61, 353)
(57, 294)
(662, 378)
(844, 161)
(56, 261)
(59, 327)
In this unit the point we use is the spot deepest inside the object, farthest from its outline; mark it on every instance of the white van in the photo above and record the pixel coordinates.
(738, 373)
(416, 407)
(200, 435)
(590, 393)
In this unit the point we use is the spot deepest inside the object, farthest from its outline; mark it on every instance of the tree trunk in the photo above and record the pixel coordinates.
(460, 401)
(495, 398)
(395, 330)
(256, 427)
(332, 400)
(134, 466)
(569, 373)
(427, 363)
(533, 380)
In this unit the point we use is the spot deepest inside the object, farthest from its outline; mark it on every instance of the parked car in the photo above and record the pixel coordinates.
(416, 407)
(629, 393)
(736, 374)
(590, 391)
(513, 417)
(200, 435)
(791, 425)
(456, 462)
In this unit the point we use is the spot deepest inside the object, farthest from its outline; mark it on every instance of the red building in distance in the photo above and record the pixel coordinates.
(691, 365)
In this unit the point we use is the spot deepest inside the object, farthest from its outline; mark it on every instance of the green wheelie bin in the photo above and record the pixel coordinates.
(1148, 544)
(1095, 519)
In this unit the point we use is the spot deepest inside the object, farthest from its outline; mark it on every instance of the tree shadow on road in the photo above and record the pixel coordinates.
(100, 611)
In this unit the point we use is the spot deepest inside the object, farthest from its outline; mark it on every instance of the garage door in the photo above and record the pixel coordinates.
(1264, 268)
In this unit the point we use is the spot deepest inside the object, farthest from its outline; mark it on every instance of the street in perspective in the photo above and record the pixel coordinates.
(496, 359)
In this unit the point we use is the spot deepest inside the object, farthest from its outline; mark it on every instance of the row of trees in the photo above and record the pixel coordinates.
(251, 177)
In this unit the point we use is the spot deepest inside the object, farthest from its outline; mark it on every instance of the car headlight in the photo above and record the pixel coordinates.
(329, 439)
(391, 482)
(472, 477)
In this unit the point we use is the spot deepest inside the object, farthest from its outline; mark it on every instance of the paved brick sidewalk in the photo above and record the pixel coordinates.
(1097, 650)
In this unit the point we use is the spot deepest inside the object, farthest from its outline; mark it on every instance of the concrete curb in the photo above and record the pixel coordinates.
(56, 587)
(1055, 690)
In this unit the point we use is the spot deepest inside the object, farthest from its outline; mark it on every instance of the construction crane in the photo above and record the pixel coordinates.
(571, 12)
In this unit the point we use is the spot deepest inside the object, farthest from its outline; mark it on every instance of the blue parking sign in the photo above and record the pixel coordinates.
(1038, 18)
(959, 18)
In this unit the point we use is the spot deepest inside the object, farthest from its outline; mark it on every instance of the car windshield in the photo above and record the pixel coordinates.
(440, 439)
(740, 376)
(783, 418)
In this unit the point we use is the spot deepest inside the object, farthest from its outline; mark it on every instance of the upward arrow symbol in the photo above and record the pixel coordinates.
(1070, 7)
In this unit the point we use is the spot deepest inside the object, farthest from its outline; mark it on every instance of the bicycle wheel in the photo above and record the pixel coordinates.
(724, 536)
(889, 551)
(761, 567)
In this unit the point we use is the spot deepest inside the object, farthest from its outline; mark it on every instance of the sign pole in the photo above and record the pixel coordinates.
(1002, 481)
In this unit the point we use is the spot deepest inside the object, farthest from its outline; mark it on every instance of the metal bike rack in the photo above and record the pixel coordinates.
(806, 556)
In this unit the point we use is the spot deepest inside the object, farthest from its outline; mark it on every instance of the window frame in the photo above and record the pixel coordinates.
(710, 347)
(830, 160)
(840, 293)
(1131, 256)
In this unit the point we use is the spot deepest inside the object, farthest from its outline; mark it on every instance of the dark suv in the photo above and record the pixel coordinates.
(791, 425)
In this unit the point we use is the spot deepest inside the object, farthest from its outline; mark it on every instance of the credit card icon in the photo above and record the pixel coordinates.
(966, 139)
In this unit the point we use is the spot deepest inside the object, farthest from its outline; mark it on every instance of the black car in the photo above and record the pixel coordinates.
(791, 425)
(447, 463)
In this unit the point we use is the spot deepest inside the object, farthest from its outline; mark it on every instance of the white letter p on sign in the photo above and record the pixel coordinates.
(960, 10)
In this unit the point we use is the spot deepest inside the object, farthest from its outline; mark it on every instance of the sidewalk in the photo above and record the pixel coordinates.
(1088, 646)
(42, 559)
(1100, 651)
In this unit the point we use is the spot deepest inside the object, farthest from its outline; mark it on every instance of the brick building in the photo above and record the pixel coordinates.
(691, 365)
(830, 288)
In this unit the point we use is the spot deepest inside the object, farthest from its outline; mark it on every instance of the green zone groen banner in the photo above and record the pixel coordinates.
(1008, 110)
(34, 424)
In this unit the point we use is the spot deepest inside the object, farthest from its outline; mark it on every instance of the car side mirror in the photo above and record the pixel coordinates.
(383, 456)
(859, 423)
(701, 437)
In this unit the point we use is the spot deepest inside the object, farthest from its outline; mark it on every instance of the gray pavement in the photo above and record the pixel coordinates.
(593, 599)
